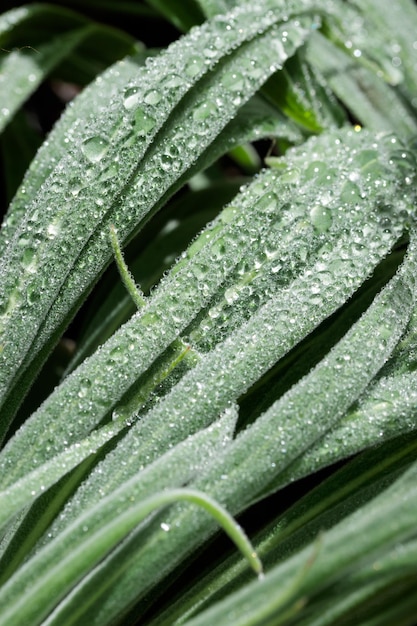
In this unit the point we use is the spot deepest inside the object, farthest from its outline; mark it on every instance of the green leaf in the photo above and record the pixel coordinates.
(254, 121)
(94, 546)
(39, 47)
(274, 343)
(28, 67)
(303, 96)
(361, 538)
(117, 366)
(60, 236)
(241, 475)
(386, 410)
(224, 239)
(373, 103)
(72, 122)
(19, 143)
(392, 28)
(170, 470)
(29, 487)
(334, 499)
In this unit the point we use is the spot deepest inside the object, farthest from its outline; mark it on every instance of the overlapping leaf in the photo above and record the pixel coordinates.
(235, 363)
(374, 103)
(358, 539)
(28, 54)
(241, 474)
(269, 266)
(53, 231)
(303, 286)
(337, 497)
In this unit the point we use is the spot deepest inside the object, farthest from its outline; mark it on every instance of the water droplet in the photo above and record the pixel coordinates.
(291, 175)
(214, 312)
(33, 295)
(172, 81)
(28, 259)
(204, 111)
(219, 248)
(85, 385)
(194, 66)
(350, 192)
(94, 148)
(150, 318)
(143, 122)
(321, 218)
(165, 527)
(170, 161)
(55, 187)
(108, 173)
(152, 97)
(23, 241)
(53, 229)
(117, 353)
(75, 185)
(231, 295)
(234, 81)
(210, 52)
(131, 98)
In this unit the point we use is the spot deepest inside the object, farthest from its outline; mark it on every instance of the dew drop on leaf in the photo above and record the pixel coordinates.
(108, 173)
(321, 218)
(231, 294)
(28, 258)
(150, 318)
(131, 98)
(33, 295)
(143, 122)
(75, 186)
(152, 97)
(219, 248)
(53, 229)
(172, 81)
(194, 66)
(200, 270)
(234, 81)
(94, 148)
(291, 175)
(204, 111)
(85, 385)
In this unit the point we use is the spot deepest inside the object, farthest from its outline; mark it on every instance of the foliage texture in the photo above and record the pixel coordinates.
(208, 269)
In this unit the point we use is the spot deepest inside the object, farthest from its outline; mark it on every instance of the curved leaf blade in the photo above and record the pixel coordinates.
(130, 129)
(241, 474)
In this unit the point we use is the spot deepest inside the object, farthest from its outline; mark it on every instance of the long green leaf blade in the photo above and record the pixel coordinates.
(24, 67)
(77, 561)
(334, 499)
(255, 454)
(131, 128)
(91, 403)
(359, 537)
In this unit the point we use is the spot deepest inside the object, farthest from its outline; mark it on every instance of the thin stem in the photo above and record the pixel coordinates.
(127, 278)
(186, 351)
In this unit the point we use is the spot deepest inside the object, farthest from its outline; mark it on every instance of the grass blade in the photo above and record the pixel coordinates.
(129, 128)
(76, 562)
